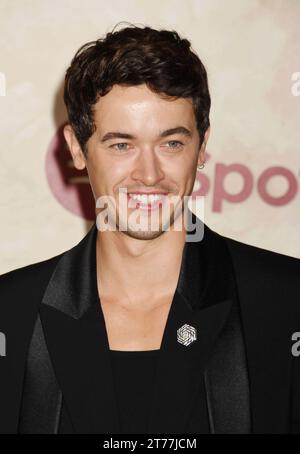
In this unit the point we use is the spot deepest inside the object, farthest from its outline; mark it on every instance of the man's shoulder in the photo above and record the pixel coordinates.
(21, 292)
(25, 281)
(255, 256)
(37, 272)
(267, 280)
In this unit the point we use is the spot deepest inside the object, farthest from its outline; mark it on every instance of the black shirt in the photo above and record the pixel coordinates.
(133, 378)
(133, 373)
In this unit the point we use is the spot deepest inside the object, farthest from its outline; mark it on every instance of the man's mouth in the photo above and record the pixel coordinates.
(148, 202)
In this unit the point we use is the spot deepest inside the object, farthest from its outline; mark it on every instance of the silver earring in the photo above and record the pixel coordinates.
(201, 166)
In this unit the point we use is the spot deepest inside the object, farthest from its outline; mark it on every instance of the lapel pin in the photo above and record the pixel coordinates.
(186, 335)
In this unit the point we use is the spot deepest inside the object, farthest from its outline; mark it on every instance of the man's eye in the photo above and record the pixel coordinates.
(121, 146)
(175, 142)
(117, 145)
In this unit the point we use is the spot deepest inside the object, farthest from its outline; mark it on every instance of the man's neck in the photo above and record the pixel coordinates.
(134, 270)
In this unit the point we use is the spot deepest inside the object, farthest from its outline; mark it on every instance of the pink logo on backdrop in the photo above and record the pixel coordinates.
(72, 189)
(69, 186)
(220, 195)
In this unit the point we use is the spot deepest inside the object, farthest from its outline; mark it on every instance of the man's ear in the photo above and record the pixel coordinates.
(201, 157)
(74, 147)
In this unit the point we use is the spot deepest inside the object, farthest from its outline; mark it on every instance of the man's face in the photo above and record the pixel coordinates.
(141, 161)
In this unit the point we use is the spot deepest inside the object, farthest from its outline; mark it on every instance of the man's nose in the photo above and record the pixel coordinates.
(148, 168)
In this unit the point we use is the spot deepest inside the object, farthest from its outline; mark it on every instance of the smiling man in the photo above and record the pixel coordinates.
(139, 329)
(154, 161)
(159, 157)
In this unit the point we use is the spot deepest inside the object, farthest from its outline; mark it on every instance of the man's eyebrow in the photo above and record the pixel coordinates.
(168, 132)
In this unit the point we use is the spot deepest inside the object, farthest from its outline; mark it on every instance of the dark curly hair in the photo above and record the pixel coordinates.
(132, 56)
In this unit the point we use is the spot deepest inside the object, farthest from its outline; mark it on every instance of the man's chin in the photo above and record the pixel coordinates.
(152, 224)
(143, 234)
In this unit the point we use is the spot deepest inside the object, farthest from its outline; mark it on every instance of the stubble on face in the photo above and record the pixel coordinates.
(147, 163)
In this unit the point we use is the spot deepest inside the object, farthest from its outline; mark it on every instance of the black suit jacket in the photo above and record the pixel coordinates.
(242, 300)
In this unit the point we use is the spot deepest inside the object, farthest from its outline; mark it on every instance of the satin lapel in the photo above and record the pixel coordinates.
(265, 320)
(180, 366)
(41, 397)
(205, 298)
(78, 345)
(227, 381)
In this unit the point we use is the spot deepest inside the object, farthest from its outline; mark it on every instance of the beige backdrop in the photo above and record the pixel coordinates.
(251, 51)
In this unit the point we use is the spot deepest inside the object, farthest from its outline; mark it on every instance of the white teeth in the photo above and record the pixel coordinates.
(146, 199)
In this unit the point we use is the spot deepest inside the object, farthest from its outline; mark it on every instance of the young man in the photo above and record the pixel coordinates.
(146, 330)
